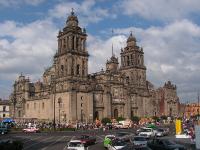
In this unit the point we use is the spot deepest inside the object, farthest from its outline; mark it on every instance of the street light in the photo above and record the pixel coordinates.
(53, 88)
(14, 101)
(59, 102)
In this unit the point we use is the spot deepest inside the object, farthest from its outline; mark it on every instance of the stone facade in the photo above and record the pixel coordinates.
(191, 109)
(69, 92)
(4, 109)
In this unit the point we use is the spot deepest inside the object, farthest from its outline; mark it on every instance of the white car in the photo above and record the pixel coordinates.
(147, 132)
(31, 130)
(160, 132)
(139, 141)
(75, 145)
(117, 145)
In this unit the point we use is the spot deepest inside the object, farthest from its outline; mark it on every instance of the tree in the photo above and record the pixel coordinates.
(163, 117)
(155, 118)
(105, 121)
(135, 119)
(120, 119)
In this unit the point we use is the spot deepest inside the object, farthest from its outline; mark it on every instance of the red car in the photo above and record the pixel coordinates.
(31, 130)
(87, 140)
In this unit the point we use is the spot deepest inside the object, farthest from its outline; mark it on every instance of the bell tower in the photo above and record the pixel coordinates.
(132, 62)
(71, 59)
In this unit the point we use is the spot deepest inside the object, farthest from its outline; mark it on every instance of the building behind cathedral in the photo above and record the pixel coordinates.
(67, 88)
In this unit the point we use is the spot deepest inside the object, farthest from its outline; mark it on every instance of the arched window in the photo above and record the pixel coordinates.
(72, 43)
(19, 113)
(132, 113)
(96, 115)
(77, 39)
(62, 68)
(77, 69)
(72, 67)
(34, 105)
(128, 61)
(83, 67)
(43, 105)
(170, 112)
(131, 59)
(127, 79)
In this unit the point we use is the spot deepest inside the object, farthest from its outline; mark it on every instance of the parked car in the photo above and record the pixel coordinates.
(160, 132)
(3, 128)
(166, 131)
(31, 130)
(133, 147)
(125, 136)
(139, 141)
(118, 126)
(87, 139)
(164, 144)
(107, 140)
(75, 145)
(117, 144)
(147, 132)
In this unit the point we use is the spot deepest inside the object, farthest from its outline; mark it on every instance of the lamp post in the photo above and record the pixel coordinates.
(53, 88)
(14, 101)
(59, 102)
(198, 111)
(81, 116)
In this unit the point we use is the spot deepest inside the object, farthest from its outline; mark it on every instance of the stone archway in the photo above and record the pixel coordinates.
(132, 113)
(116, 113)
(19, 113)
(170, 111)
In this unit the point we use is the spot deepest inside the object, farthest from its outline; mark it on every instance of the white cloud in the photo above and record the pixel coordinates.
(171, 53)
(101, 50)
(11, 3)
(87, 11)
(26, 48)
(160, 9)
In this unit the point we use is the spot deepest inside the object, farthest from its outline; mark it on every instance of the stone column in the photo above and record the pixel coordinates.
(107, 105)
(127, 108)
(79, 44)
(90, 105)
(75, 66)
(72, 106)
(70, 42)
(84, 45)
(75, 48)
(67, 42)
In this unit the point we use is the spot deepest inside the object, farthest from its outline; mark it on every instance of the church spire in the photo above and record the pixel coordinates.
(112, 45)
(72, 12)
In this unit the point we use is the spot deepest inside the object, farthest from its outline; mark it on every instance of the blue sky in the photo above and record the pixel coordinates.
(168, 30)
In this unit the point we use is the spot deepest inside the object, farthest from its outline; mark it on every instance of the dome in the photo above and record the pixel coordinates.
(72, 20)
(131, 38)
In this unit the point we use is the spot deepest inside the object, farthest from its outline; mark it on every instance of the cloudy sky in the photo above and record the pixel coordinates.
(168, 31)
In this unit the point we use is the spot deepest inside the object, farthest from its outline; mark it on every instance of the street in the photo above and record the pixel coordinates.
(59, 140)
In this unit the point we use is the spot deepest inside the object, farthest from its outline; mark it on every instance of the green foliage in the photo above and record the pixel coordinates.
(163, 117)
(155, 118)
(135, 119)
(120, 119)
(105, 121)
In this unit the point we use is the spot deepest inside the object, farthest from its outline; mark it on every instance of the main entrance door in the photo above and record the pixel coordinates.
(116, 113)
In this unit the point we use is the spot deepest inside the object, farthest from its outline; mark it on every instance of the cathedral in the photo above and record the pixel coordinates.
(69, 93)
